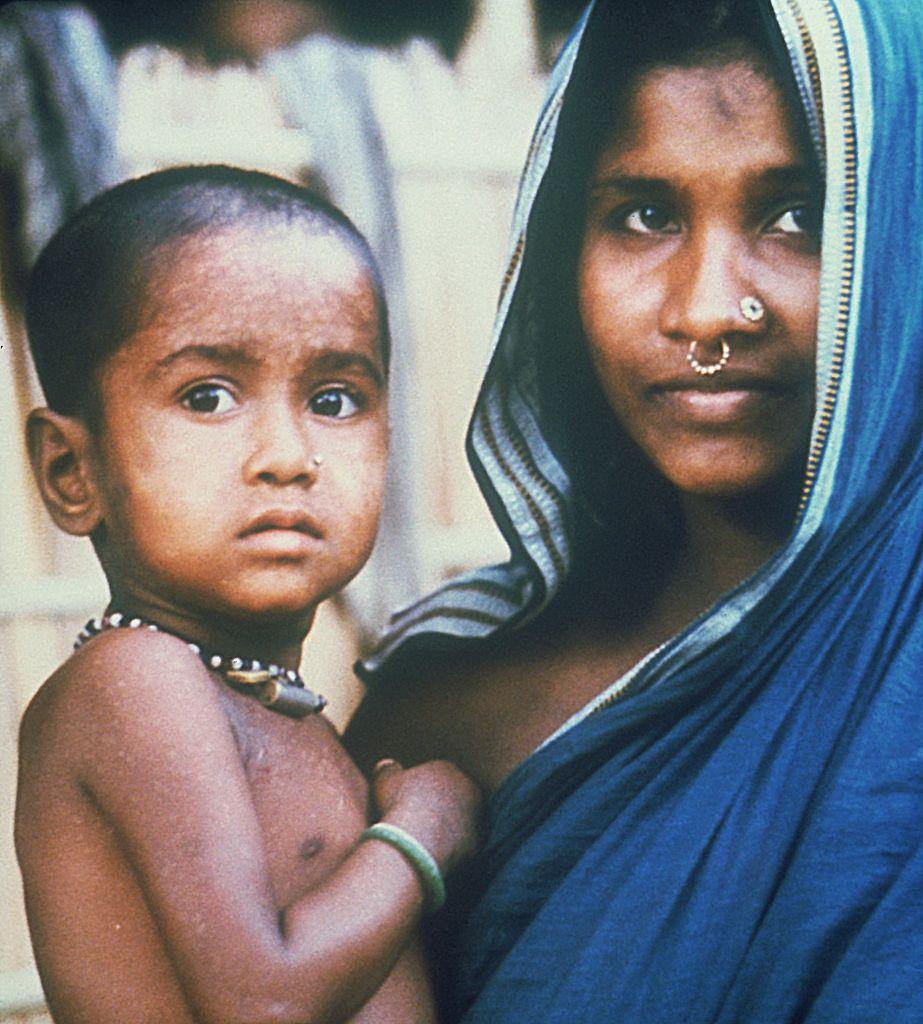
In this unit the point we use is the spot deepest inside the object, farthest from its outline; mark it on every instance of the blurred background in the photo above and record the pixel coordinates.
(414, 116)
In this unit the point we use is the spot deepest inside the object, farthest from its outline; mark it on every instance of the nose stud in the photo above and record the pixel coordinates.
(318, 460)
(708, 369)
(752, 309)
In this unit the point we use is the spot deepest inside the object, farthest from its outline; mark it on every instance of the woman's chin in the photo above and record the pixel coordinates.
(736, 481)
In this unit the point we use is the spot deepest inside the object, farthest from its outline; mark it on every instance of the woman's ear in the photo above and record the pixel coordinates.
(59, 450)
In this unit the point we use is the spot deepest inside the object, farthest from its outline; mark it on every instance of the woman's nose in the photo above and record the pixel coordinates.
(280, 449)
(706, 283)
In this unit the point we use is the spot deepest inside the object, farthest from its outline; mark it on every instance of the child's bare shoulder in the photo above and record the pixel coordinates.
(121, 683)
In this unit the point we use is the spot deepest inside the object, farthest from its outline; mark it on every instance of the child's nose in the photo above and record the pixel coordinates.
(280, 449)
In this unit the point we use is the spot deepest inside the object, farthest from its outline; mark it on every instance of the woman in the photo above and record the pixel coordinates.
(695, 689)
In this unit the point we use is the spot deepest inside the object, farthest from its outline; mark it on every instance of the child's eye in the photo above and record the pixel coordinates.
(209, 398)
(797, 220)
(335, 402)
(648, 220)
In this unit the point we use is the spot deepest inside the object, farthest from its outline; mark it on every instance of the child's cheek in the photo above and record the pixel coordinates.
(357, 497)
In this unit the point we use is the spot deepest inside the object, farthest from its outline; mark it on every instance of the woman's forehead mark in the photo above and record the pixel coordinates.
(731, 91)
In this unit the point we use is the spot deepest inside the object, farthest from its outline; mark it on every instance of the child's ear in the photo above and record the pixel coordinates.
(59, 450)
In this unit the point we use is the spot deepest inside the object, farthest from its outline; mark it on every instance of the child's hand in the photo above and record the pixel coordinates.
(435, 802)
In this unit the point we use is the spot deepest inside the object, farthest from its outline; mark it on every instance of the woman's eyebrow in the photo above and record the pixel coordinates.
(782, 177)
(630, 184)
(789, 176)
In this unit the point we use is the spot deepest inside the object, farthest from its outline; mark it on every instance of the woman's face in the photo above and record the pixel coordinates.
(702, 197)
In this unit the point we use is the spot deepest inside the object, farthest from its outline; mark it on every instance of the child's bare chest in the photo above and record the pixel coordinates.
(310, 798)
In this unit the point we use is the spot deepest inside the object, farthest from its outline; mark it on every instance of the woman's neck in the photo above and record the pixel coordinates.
(724, 542)
(673, 578)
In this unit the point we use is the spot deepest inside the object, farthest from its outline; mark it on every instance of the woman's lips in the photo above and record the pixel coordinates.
(721, 400)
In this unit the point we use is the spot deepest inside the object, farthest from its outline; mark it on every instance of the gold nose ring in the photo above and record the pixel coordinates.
(752, 309)
(708, 369)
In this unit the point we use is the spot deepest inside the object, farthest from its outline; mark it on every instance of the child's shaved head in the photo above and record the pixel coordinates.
(88, 287)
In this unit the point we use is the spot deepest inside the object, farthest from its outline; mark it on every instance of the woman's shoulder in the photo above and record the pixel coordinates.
(411, 713)
(484, 706)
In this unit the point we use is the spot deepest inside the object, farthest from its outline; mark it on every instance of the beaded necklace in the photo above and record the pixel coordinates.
(277, 688)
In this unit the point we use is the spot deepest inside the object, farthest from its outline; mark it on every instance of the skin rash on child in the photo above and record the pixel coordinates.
(187, 854)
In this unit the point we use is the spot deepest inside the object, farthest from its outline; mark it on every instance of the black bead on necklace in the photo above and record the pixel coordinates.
(277, 688)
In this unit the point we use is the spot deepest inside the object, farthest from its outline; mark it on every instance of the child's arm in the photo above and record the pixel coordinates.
(155, 753)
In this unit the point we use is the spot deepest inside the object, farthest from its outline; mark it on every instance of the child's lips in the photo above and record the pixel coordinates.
(282, 521)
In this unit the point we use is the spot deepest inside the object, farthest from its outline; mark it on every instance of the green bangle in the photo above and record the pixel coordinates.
(422, 860)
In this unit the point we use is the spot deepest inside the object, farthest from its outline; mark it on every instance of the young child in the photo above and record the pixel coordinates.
(213, 348)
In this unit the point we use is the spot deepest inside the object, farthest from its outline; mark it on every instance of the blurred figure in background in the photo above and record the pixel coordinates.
(59, 76)
(554, 21)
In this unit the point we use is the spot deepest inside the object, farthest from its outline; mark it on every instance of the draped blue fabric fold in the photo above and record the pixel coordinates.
(741, 844)
(738, 837)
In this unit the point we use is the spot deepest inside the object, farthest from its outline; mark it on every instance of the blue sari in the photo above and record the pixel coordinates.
(736, 835)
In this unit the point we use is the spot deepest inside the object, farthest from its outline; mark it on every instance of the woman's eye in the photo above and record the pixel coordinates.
(209, 398)
(647, 220)
(799, 220)
(334, 402)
